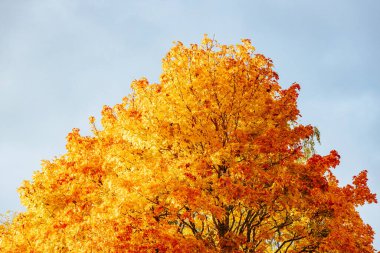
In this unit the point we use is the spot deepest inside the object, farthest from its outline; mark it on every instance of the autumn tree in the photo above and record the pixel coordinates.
(211, 159)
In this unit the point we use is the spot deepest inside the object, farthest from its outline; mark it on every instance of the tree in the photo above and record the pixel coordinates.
(211, 159)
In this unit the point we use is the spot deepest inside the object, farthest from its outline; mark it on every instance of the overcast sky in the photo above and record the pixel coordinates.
(62, 60)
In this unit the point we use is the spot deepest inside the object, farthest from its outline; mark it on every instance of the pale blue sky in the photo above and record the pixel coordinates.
(62, 60)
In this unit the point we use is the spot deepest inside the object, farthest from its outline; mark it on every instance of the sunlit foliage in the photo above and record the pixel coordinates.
(211, 159)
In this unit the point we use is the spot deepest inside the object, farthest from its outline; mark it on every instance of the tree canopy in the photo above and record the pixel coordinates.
(210, 159)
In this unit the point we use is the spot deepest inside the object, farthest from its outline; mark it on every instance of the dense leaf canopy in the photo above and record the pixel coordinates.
(211, 159)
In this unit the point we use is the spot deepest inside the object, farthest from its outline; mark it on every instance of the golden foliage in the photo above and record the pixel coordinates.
(211, 159)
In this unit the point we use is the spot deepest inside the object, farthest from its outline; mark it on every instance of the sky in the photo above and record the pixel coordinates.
(62, 60)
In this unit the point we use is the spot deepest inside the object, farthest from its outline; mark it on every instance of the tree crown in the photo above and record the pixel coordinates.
(210, 159)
